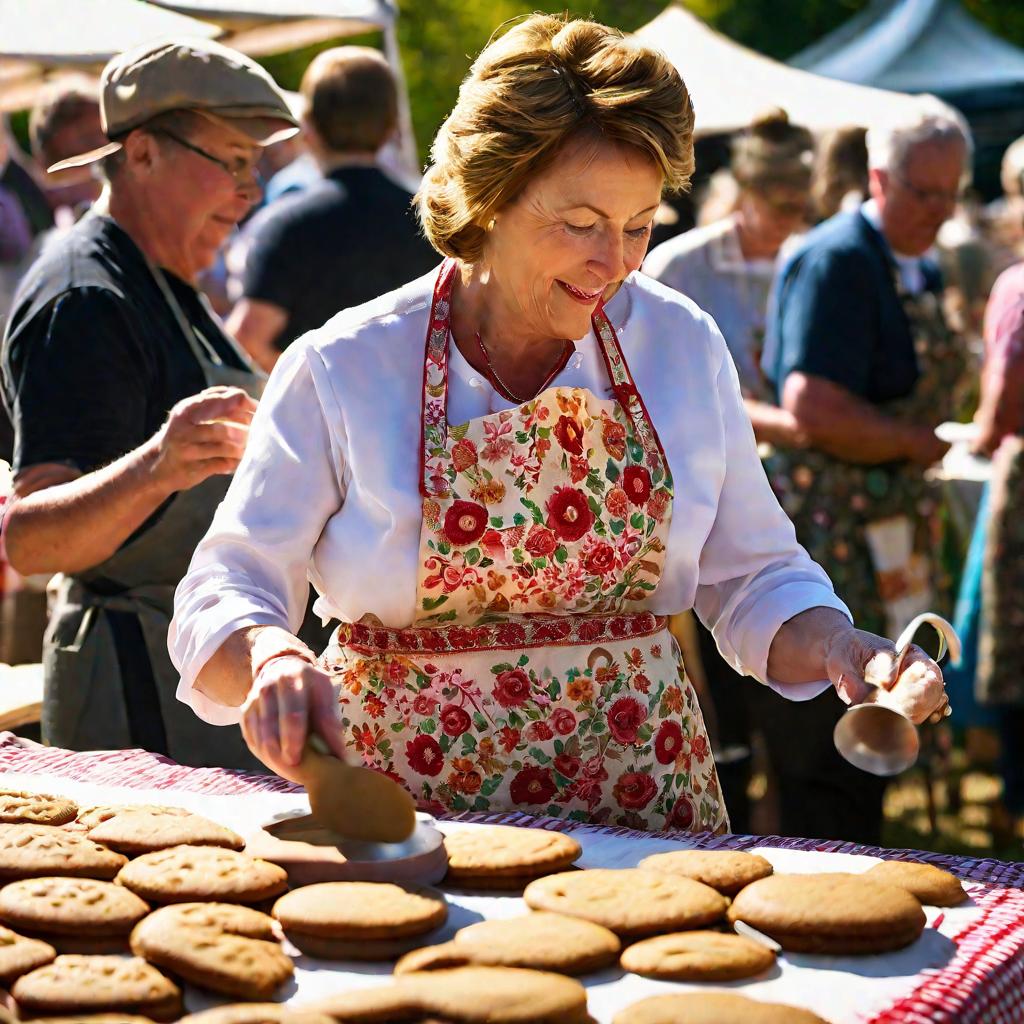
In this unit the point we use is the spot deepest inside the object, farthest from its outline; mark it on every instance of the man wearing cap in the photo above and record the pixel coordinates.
(130, 404)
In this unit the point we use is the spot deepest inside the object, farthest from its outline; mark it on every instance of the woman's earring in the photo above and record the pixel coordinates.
(490, 224)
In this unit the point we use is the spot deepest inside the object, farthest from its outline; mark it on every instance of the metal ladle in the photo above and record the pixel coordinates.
(876, 736)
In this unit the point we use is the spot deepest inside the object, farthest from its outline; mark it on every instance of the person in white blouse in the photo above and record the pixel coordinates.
(502, 478)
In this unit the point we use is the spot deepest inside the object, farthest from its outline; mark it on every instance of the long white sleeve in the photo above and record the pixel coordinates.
(753, 575)
(252, 566)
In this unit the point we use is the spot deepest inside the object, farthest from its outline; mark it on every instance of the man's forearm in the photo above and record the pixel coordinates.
(72, 526)
(843, 425)
(774, 426)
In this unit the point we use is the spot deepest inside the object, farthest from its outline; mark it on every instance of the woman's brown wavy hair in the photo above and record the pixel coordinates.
(545, 81)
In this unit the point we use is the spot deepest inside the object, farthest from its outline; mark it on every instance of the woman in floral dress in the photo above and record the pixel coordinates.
(503, 477)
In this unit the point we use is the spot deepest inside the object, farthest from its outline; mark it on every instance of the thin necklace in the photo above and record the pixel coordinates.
(504, 390)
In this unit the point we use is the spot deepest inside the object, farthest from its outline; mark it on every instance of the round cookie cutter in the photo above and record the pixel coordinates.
(310, 853)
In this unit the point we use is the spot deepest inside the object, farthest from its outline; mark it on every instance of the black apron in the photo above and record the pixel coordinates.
(108, 678)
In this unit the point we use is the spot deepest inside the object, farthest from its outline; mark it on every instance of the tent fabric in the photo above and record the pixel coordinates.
(55, 32)
(725, 102)
(370, 13)
(915, 46)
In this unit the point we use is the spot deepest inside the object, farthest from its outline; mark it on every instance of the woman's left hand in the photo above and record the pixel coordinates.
(858, 663)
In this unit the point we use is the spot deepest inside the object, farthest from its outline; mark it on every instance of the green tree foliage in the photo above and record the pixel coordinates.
(440, 38)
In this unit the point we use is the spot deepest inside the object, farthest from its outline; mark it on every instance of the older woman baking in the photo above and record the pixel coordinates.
(502, 477)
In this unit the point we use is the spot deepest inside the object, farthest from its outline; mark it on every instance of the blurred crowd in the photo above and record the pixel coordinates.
(866, 293)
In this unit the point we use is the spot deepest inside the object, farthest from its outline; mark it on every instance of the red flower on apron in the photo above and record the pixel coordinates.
(636, 482)
(569, 514)
(465, 522)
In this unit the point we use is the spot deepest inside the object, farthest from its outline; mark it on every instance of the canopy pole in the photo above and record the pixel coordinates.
(407, 137)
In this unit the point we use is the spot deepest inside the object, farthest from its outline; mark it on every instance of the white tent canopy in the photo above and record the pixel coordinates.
(731, 85)
(38, 37)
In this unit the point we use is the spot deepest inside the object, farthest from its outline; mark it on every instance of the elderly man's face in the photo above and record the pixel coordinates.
(916, 200)
(573, 235)
(205, 194)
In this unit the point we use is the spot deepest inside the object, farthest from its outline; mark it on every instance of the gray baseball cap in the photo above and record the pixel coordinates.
(188, 74)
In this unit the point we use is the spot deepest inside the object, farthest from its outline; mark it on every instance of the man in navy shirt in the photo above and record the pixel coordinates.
(860, 355)
(346, 239)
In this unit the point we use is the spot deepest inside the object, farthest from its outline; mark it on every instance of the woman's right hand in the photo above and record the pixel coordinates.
(289, 698)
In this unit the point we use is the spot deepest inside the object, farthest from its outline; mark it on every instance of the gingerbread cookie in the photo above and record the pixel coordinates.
(76, 907)
(830, 913)
(630, 902)
(35, 808)
(87, 984)
(221, 947)
(19, 955)
(697, 956)
(712, 1008)
(359, 920)
(31, 851)
(539, 941)
(931, 885)
(256, 1013)
(467, 995)
(187, 874)
(728, 871)
(501, 857)
(136, 830)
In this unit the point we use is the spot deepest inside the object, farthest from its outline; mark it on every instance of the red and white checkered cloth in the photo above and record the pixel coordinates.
(982, 984)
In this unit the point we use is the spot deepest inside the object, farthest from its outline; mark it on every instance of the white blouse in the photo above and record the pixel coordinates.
(328, 489)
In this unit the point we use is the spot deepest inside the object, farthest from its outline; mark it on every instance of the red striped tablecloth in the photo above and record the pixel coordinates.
(983, 983)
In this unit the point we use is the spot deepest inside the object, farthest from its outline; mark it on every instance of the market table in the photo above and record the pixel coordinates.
(967, 967)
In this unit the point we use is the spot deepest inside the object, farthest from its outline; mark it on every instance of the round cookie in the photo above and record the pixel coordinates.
(256, 1013)
(31, 851)
(361, 910)
(830, 913)
(145, 829)
(630, 902)
(79, 907)
(221, 947)
(491, 853)
(35, 808)
(712, 1008)
(187, 874)
(539, 941)
(19, 955)
(697, 956)
(931, 885)
(466, 995)
(728, 871)
(90, 817)
(87, 984)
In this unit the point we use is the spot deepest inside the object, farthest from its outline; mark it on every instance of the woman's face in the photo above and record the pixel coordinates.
(772, 215)
(572, 236)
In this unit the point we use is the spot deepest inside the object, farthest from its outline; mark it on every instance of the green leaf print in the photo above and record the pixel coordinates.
(561, 781)
(490, 786)
(397, 726)
(559, 746)
(518, 519)
(444, 548)
(544, 432)
(578, 816)
(522, 437)
(645, 732)
(517, 556)
(472, 556)
(430, 603)
(486, 563)
(504, 666)
(539, 756)
(480, 722)
(595, 506)
(616, 526)
(611, 471)
(445, 742)
(538, 516)
(554, 689)
(540, 563)
(458, 431)
(468, 743)
(385, 750)
(636, 520)
(497, 522)
(636, 451)
(561, 555)
(429, 726)
(515, 720)
(524, 660)
(597, 726)
(480, 804)
(554, 810)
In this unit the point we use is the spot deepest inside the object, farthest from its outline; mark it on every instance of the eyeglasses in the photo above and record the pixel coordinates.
(931, 196)
(244, 174)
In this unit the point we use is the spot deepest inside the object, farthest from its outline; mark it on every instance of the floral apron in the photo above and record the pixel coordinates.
(877, 530)
(533, 678)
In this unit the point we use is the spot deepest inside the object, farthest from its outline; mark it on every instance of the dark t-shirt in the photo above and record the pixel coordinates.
(343, 241)
(93, 358)
(835, 313)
